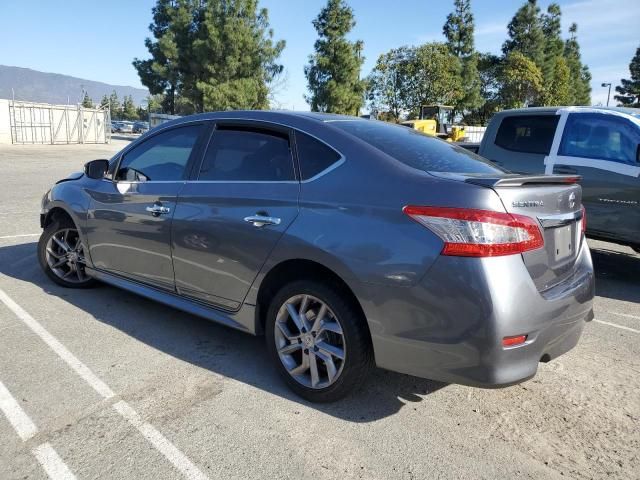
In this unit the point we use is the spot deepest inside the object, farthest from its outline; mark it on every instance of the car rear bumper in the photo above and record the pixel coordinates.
(450, 326)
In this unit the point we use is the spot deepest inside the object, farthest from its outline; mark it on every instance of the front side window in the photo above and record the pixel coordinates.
(247, 154)
(527, 133)
(600, 136)
(163, 157)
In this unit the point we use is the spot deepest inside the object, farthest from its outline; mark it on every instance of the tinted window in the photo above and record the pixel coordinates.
(416, 149)
(314, 156)
(242, 154)
(600, 136)
(527, 133)
(162, 157)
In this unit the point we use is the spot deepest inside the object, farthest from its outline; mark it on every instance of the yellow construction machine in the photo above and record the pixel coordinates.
(437, 121)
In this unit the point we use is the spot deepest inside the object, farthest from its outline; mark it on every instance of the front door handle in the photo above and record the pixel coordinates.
(157, 210)
(262, 220)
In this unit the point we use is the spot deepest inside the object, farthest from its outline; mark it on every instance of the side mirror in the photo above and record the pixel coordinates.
(96, 169)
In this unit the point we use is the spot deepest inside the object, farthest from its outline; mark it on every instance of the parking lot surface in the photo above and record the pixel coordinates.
(101, 383)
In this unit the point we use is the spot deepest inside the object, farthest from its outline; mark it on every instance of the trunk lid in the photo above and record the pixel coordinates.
(556, 202)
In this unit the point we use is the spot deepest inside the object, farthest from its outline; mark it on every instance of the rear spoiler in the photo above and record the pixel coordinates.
(519, 180)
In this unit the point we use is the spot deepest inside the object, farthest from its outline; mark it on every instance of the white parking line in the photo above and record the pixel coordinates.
(21, 423)
(178, 459)
(622, 327)
(52, 463)
(626, 315)
(20, 236)
(48, 458)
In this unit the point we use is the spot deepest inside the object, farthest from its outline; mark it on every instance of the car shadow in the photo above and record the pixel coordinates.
(222, 350)
(617, 274)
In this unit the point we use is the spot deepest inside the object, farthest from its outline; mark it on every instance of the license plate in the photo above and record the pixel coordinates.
(563, 242)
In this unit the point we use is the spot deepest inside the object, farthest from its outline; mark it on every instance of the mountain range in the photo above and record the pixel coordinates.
(34, 86)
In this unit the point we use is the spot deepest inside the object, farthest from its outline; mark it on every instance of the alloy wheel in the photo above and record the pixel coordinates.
(310, 341)
(65, 256)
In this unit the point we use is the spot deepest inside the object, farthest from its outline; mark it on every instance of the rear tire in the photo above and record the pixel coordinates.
(337, 345)
(61, 255)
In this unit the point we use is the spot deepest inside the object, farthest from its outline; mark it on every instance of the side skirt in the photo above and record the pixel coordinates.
(243, 319)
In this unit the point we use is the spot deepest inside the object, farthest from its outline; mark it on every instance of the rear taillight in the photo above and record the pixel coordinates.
(479, 233)
(583, 222)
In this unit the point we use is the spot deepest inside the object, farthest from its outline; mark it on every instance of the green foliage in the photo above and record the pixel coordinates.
(521, 81)
(458, 31)
(489, 72)
(87, 102)
(210, 55)
(129, 111)
(333, 72)
(554, 46)
(525, 34)
(114, 105)
(580, 84)
(630, 89)
(407, 78)
(388, 82)
(557, 89)
(104, 103)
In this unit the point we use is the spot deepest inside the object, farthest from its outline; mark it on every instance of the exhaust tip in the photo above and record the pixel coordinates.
(545, 358)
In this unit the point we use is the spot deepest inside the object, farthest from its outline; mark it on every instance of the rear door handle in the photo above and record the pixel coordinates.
(262, 220)
(157, 210)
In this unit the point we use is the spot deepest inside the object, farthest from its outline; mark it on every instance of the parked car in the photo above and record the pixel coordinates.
(346, 242)
(600, 144)
(125, 127)
(140, 127)
(115, 126)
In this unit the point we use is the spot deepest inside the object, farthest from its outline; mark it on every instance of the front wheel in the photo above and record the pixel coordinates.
(318, 341)
(61, 255)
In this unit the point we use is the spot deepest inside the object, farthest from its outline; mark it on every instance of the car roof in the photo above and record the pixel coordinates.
(552, 110)
(284, 116)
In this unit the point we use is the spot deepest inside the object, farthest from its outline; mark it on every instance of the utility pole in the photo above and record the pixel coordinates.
(608, 94)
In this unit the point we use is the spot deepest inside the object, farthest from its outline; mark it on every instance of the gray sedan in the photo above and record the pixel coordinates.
(346, 242)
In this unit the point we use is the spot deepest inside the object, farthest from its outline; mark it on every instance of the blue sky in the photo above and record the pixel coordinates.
(97, 40)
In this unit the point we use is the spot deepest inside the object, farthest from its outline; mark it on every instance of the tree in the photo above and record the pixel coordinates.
(433, 77)
(554, 45)
(129, 111)
(490, 74)
(210, 55)
(388, 81)
(557, 89)
(580, 77)
(87, 102)
(630, 89)
(458, 31)
(525, 34)
(104, 103)
(114, 105)
(333, 72)
(521, 81)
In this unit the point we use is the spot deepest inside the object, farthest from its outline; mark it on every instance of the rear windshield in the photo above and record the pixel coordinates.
(416, 149)
(527, 133)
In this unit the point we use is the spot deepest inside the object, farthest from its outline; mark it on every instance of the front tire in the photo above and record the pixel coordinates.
(61, 255)
(318, 341)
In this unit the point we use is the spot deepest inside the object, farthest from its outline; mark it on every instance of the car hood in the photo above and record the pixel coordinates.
(72, 176)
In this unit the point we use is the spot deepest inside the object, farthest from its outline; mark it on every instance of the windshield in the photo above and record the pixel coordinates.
(416, 149)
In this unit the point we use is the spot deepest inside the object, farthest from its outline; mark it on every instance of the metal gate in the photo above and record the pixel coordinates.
(58, 124)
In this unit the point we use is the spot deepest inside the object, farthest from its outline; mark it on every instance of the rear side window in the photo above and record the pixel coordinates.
(162, 157)
(247, 154)
(314, 156)
(527, 133)
(416, 149)
(600, 136)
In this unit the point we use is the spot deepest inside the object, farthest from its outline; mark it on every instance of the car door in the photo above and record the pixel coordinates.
(603, 149)
(129, 219)
(232, 213)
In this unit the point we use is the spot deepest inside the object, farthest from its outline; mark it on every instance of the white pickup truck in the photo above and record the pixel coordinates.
(600, 144)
